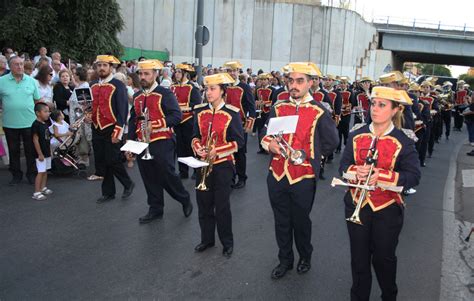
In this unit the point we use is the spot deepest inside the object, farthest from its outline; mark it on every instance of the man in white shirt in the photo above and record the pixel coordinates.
(42, 53)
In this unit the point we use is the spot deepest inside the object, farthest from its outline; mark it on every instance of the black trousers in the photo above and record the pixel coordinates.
(214, 205)
(458, 119)
(374, 244)
(291, 206)
(422, 143)
(109, 157)
(446, 116)
(259, 124)
(241, 161)
(431, 136)
(14, 138)
(437, 127)
(184, 133)
(343, 129)
(159, 174)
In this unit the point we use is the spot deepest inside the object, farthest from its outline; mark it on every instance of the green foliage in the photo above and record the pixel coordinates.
(78, 29)
(433, 69)
(468, 79)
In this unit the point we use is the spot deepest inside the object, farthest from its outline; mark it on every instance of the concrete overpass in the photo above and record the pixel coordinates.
(426, 42)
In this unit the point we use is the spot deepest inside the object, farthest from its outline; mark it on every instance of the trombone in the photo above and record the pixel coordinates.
(206, 170)
(370, 160)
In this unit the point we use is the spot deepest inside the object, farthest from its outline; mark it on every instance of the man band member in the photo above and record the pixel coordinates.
(154, 113)
(240, 96)
(383, 145)
(217, 135)
(109, 115)
(334, 96)
(291, 184)
(188, 96)
(344, 123)
(446, 104)
(263, 96)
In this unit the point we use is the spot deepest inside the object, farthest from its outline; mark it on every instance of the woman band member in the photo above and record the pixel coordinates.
(217, 135)
(395, 167)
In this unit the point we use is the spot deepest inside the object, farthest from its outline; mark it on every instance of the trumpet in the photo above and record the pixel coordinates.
(296, 156)
(259, 108)
(145, 132)
(206, 170)
(371, 160)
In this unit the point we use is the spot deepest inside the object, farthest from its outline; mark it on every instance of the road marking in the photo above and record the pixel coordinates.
(468, 177)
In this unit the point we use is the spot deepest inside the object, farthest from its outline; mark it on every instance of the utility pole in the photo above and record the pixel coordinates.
(199, 39)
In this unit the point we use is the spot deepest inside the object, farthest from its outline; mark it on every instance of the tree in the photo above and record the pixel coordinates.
(433, 69)
(78, 29)
(468, 79)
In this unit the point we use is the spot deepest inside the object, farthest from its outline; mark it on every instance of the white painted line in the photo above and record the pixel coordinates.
(468, 177)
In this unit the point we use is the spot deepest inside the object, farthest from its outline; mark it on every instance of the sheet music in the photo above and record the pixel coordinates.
(284, 125)
(192, 162)
(134, 147)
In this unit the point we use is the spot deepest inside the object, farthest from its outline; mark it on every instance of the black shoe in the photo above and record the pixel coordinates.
(149, 217)
(105, 198)
(280, 271)
(14, 181)
(31, 179)
(262, 152)
(188, 209)
(240, 184)
(423, 164)
(227, 252)
(128, 191)
(471, 153)
(303, 266)
(183, 175)
(202, 246)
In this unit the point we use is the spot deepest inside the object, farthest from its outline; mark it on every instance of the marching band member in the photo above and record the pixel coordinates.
(430, 110)
(375, 241)
(446, 103)
(188, 96)
(282, 93)
(361, 100)
(346, 109)
(109, 115)
(461, 98)
(263, 96)
(240, 96)
(217, 135)
(154, 113)
(292, 184)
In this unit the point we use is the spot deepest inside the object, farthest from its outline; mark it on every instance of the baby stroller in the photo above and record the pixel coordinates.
(65, 159)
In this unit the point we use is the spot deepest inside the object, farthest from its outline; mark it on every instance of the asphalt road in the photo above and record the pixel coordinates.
(69, 247)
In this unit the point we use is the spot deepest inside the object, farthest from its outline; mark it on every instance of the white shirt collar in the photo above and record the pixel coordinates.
(107, 79)
(307, 98)
(389, 129)
(152, 88)
(219, 107)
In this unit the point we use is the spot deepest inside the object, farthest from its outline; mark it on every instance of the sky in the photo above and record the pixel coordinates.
(450, 13)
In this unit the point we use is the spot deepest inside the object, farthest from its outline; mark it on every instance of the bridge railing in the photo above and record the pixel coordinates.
(420, 24)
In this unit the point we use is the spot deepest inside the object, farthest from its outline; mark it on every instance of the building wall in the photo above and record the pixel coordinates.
(260, 33)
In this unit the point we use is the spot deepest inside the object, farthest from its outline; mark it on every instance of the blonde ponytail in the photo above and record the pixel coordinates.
(398, 118)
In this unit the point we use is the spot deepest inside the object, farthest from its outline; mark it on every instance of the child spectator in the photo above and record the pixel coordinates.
(59, 129)
(42, 150)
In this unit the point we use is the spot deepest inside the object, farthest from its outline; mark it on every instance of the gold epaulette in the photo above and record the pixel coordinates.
(201, 105)
(232, 108)
(410, 134)
(280, 101)
(357, 126)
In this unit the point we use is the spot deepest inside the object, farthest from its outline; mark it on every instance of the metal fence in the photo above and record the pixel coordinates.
(420, 24)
